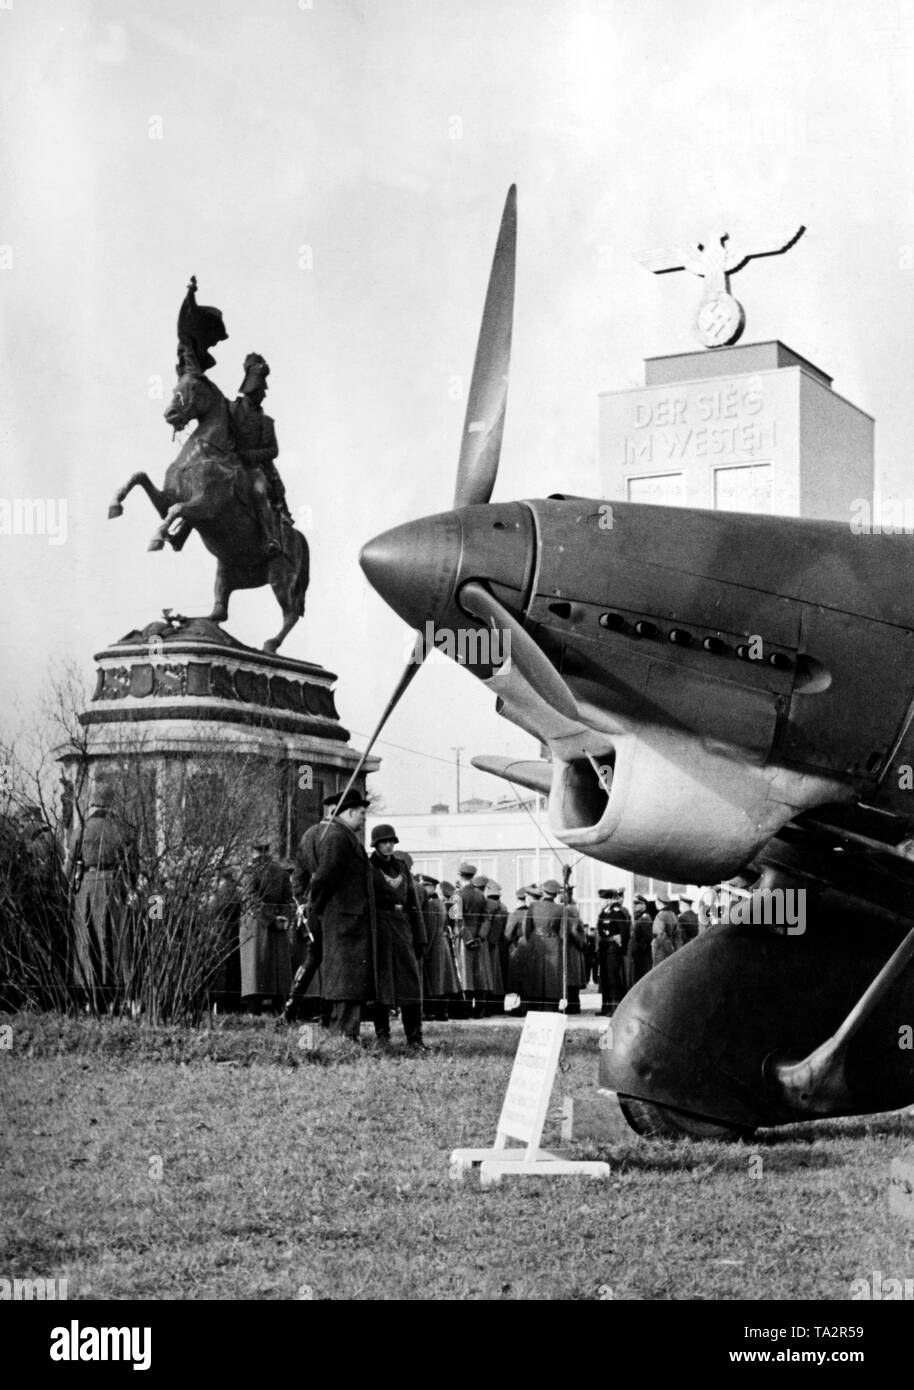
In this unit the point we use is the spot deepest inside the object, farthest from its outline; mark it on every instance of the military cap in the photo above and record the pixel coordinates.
(467, 870)
(384, 832)
(427, 879)
(446, 888)
(551, 887)
(533, 891)
(256, 370)
(522, 892)
(494, 889)
(479, 880)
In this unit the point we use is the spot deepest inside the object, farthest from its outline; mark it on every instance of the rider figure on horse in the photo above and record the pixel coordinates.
(255, 445)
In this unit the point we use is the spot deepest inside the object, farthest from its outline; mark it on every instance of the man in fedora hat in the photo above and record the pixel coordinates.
(266, 965)
(342, 901)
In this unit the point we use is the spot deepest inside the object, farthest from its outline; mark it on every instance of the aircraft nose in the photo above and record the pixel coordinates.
(414, 567)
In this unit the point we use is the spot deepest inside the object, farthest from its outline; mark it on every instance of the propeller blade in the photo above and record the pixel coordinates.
(485, 418)
(420, 652)
(529, 659)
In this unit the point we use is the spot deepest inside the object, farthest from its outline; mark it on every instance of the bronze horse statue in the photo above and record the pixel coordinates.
(209, 489)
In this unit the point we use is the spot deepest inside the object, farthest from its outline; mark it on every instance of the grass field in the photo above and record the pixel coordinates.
(232, 1163)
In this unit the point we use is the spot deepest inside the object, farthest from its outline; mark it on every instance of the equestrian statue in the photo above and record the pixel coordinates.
(224, 482)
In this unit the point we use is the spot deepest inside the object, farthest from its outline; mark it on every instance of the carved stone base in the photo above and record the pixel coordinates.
(184, 696)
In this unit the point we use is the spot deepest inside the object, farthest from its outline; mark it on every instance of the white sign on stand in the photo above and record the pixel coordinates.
(523, 1114)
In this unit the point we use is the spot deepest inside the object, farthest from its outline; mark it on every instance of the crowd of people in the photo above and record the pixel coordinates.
(353, 933)
(348, 933)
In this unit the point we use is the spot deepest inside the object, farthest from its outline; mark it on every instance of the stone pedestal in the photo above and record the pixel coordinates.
(753, 428)
(194, 707)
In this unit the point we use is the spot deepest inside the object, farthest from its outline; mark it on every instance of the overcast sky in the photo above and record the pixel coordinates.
(334, 175)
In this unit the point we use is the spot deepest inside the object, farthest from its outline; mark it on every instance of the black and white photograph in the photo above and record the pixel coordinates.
(457, 664)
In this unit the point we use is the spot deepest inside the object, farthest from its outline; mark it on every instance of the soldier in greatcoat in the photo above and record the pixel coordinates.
(687, 927)
(498, 946)
(101, 863)
(471, 904)
(669, 920)
(662, 946)
(514, 927)
(46, 905)
(613, 935)
(225, 913)
(342, 901)
(401, 936)
(640, 956)
(543, 968)
(266, 964)
(441, 983)
(574, 938)
(518, 931)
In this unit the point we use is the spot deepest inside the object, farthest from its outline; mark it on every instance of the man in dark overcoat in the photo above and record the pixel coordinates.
(305, 996)
(342, 901)
(266, 964)
(401, 936)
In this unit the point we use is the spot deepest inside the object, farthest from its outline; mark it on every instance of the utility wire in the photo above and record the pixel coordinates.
(403, 749)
